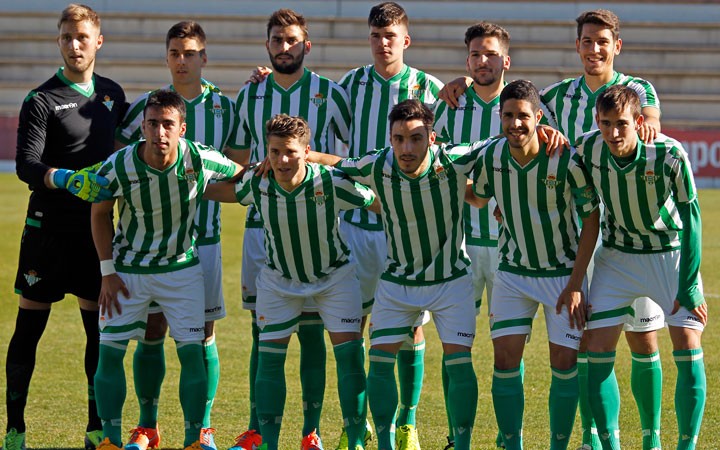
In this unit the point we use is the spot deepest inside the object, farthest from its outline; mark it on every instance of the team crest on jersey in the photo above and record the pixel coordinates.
(190, 175)
(551, 182)
(417, 92)
(319, 198)
(108, 103)
(650, 178)
(218, 110)
(440, 173)
(31, 277)
(318, 100)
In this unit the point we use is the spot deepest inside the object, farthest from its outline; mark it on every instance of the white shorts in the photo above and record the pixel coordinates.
(253, 261)
(516, 300)
(179, 295)
(398, 308)
(211, 263)
(369, 251)
(484, 264)
(622, 277)
(647, 316)
(280, 302)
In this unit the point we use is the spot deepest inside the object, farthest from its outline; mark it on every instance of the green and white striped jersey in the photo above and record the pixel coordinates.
(471, 121)
(640, 199)
(301, 227)
(210, 120)
(157, 208)
(540, 232)
(422, 216)
(371, 99)
(317, 99)
(569, 105)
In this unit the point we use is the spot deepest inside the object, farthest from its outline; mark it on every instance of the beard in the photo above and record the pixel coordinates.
(78, 67)
(290, 67)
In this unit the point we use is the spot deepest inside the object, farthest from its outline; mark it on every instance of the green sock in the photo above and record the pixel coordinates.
(499, 438)
(462, 395)
(148, 373)
(350, 357)
(411, 368)
(111, 388)
(252, 374)
(382, 395)
(313, 355)
(646, 382)
(212, 370)
(509, 402)
(604, 398)
(589, 430)
(271, 390)
(690, 393)
(445, 385)
(193, 388)
(562, 404)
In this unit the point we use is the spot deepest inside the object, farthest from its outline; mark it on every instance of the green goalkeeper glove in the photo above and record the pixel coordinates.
(84, 183)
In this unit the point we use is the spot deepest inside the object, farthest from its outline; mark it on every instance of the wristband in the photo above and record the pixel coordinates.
(107, 267)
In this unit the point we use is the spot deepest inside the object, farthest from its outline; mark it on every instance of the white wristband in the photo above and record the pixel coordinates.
(107, 267)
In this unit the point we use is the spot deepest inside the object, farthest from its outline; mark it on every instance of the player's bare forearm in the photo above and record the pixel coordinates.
(473, 200)
(101, 226)
(375, 206)
(223, 192)
(323, 158)
(586, 248)
(650, 127)
(238, 155)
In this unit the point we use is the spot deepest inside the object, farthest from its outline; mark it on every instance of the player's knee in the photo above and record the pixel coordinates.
(562, 358)
(156, 327)
(642, 342)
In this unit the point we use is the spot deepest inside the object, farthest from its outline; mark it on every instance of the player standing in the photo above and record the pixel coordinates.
(299, 205)
(66, 123)
(210, 120)
(290, 89)
(652, 241)
(152, 258)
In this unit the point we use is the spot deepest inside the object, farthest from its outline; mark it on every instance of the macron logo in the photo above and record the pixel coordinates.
(65, 106)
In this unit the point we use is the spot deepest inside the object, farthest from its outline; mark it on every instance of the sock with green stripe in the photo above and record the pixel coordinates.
(313, 356)
(462, 396)
(212, 370)
(604, 398)
(589, 429)
(350, 357)
(252, 374)
(383, 396)
(562, 403)
(690, 394)
(271, 390)
(646, 382)
(193, 388)
(148, 373)
(411, 368)
(509, 403)
(111, 388)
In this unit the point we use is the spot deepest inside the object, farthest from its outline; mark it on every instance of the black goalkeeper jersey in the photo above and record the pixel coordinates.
(63, 126)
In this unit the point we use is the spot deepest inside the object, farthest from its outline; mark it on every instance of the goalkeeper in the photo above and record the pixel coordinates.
(65, 124)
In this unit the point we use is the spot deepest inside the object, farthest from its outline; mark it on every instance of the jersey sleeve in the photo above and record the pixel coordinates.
(359, 169)
(481, 180)
(243, 188)
(340, 113)
(441, 122)
(31, 135)
(547, 104)
(216, 165)
(683, 182)
(432, 90)
(690, 293)
(240, 137)
(130, 129)
(464, 156)
(351, 194)
(646, 91)
(107, 170)
(581, 188)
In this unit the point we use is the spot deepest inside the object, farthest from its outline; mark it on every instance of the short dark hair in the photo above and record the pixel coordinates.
(487, 29)
(521, 90)
(602, 17)
(285, 126)
(286, 18)
(165, 98)
(387, 14)
(412, 109)
(76, 12)
(187, 29)
(617, 98)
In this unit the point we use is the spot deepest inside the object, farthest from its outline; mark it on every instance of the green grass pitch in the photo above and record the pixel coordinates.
(56, 407)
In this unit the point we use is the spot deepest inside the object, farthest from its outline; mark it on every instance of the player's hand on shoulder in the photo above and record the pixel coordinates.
(85, 183)
(555, 140)
(112, 285)
(451, 92)
(258, 75)
(647, 132)
(262, 168)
